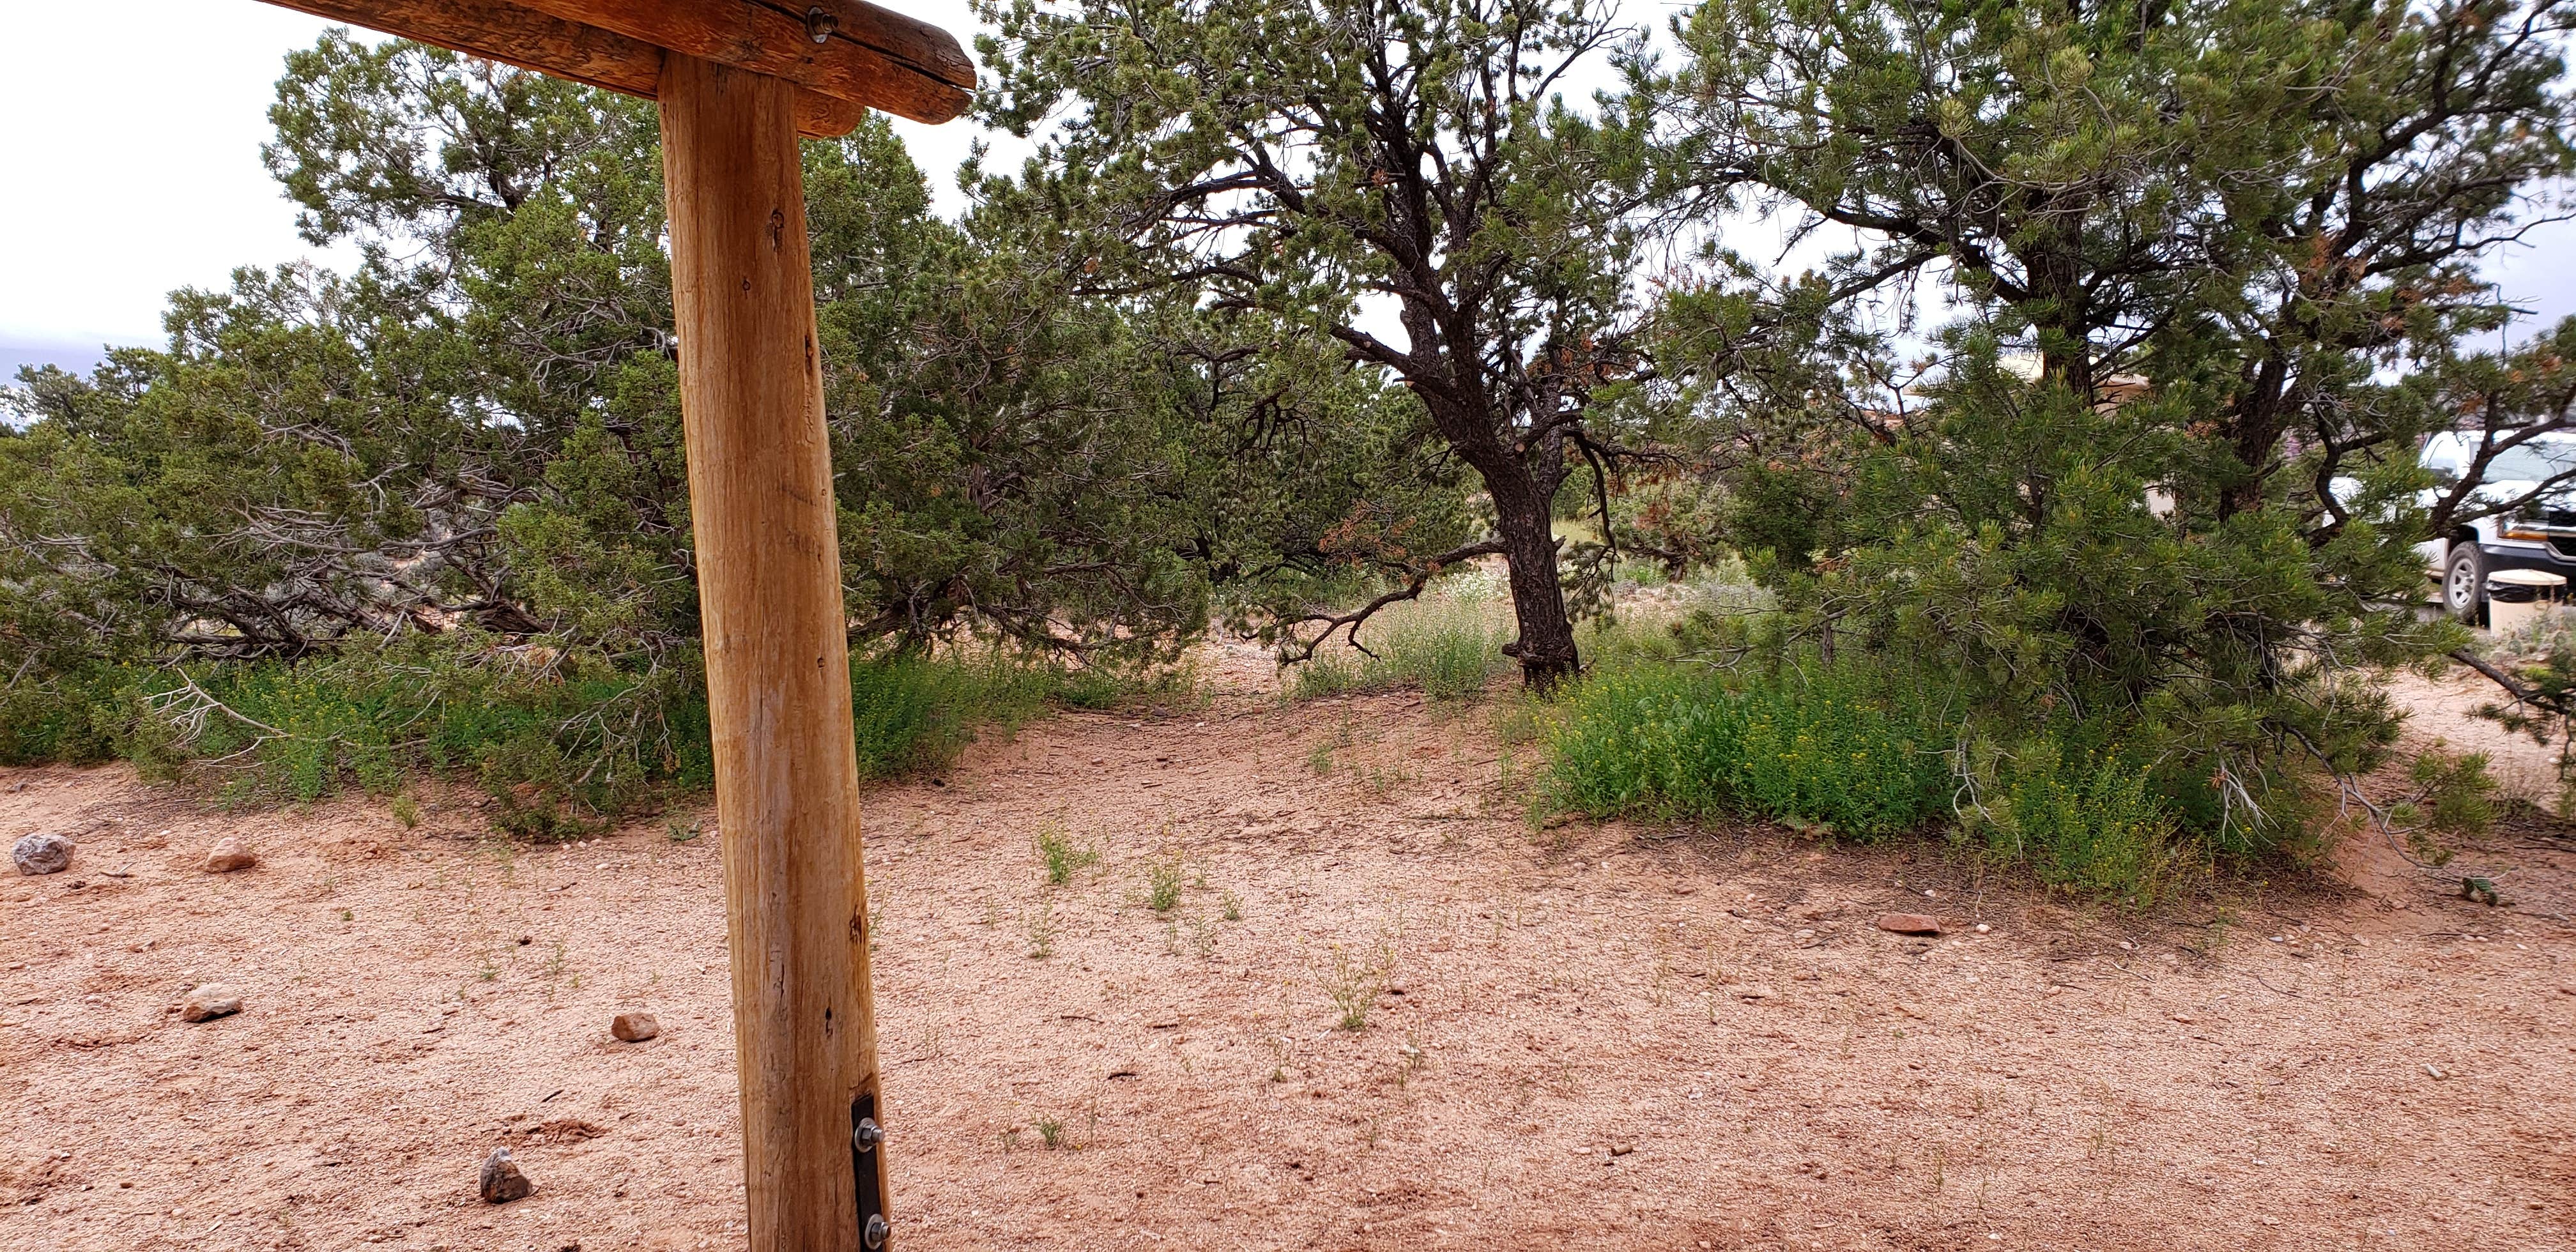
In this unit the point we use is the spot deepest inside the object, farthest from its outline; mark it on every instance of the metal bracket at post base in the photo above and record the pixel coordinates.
(865, 1135)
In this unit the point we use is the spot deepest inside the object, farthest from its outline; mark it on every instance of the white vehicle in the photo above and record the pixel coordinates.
(2540, 535)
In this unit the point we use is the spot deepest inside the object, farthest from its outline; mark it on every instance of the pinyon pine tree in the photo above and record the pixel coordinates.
(1398, 179)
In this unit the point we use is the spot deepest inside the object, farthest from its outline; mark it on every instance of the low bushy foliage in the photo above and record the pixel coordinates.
(1819, 748)
(916, 712)
(75, 718)
(560, 740)
(1859, 752)
(2088, 819)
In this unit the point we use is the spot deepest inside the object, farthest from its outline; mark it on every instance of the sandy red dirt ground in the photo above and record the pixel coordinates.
(1580, 1036)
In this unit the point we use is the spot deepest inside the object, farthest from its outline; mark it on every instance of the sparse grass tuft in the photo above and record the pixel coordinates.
(1163, 882)
(1062, 856)
(1355, 985)
(406, 810)
(1042, 931)
(1445, 645)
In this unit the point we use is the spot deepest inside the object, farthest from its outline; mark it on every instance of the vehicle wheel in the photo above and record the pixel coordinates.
(2464, 584)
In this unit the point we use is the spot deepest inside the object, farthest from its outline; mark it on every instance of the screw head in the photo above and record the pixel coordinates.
(820, 23)
(875, 1235)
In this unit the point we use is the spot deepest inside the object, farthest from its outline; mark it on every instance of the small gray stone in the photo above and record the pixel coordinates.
(502, 1182)
(208, 1002)
(43, 852)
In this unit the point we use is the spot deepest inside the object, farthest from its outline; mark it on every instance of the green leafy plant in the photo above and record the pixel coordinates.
(1864, 749)
(1163, 882)
(1828, 747)
(2452, 797)
(2090, 820)
(1062, 857)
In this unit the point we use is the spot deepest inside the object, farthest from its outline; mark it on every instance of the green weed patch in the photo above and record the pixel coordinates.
(1852, 753)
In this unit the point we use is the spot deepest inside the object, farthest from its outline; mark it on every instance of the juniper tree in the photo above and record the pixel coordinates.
(480, 426)
(1398, 179)
(2240, 244)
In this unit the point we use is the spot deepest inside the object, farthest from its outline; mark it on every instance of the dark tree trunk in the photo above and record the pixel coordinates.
(2064, 323)
(1545, 648)
(2252, 430)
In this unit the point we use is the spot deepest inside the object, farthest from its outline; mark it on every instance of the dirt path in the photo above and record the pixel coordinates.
(1574, 1037)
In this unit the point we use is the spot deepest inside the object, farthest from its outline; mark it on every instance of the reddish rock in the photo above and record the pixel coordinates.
(208, 1002)
(230, 854)
(634, 1027)
(1910, 923)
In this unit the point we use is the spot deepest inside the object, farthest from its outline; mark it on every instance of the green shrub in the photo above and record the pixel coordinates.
(2090, 820)
(561, 740)
(915, 713)
(1860, 752)
(76, 719)
(1821, 747)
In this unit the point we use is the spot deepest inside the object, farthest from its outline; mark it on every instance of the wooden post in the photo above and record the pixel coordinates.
(778, 664)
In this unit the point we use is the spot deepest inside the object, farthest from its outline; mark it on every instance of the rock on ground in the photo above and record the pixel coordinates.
(43, 852)
(230, 854)
(208, 1002)
(1910, 923)
(502, 1182)
(635, 1027)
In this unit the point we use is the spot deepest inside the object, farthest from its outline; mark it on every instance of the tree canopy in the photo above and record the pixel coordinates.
(1400, 182)
(2237, 247)
(480, 425)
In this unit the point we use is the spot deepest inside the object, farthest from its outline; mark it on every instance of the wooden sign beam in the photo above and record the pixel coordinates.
(738, 81)
(846, 49)
(868, 57)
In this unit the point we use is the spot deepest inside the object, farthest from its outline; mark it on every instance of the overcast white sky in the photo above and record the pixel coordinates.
(122, 186)
(117, 188)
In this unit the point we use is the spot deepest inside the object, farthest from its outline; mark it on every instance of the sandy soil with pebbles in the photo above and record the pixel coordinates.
(1580, 1036)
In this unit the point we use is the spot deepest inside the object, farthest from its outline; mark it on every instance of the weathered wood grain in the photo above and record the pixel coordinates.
(778, 677)
(872, 56)
(515, 35)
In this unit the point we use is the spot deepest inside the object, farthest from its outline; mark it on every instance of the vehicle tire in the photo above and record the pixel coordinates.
(2464, 583)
